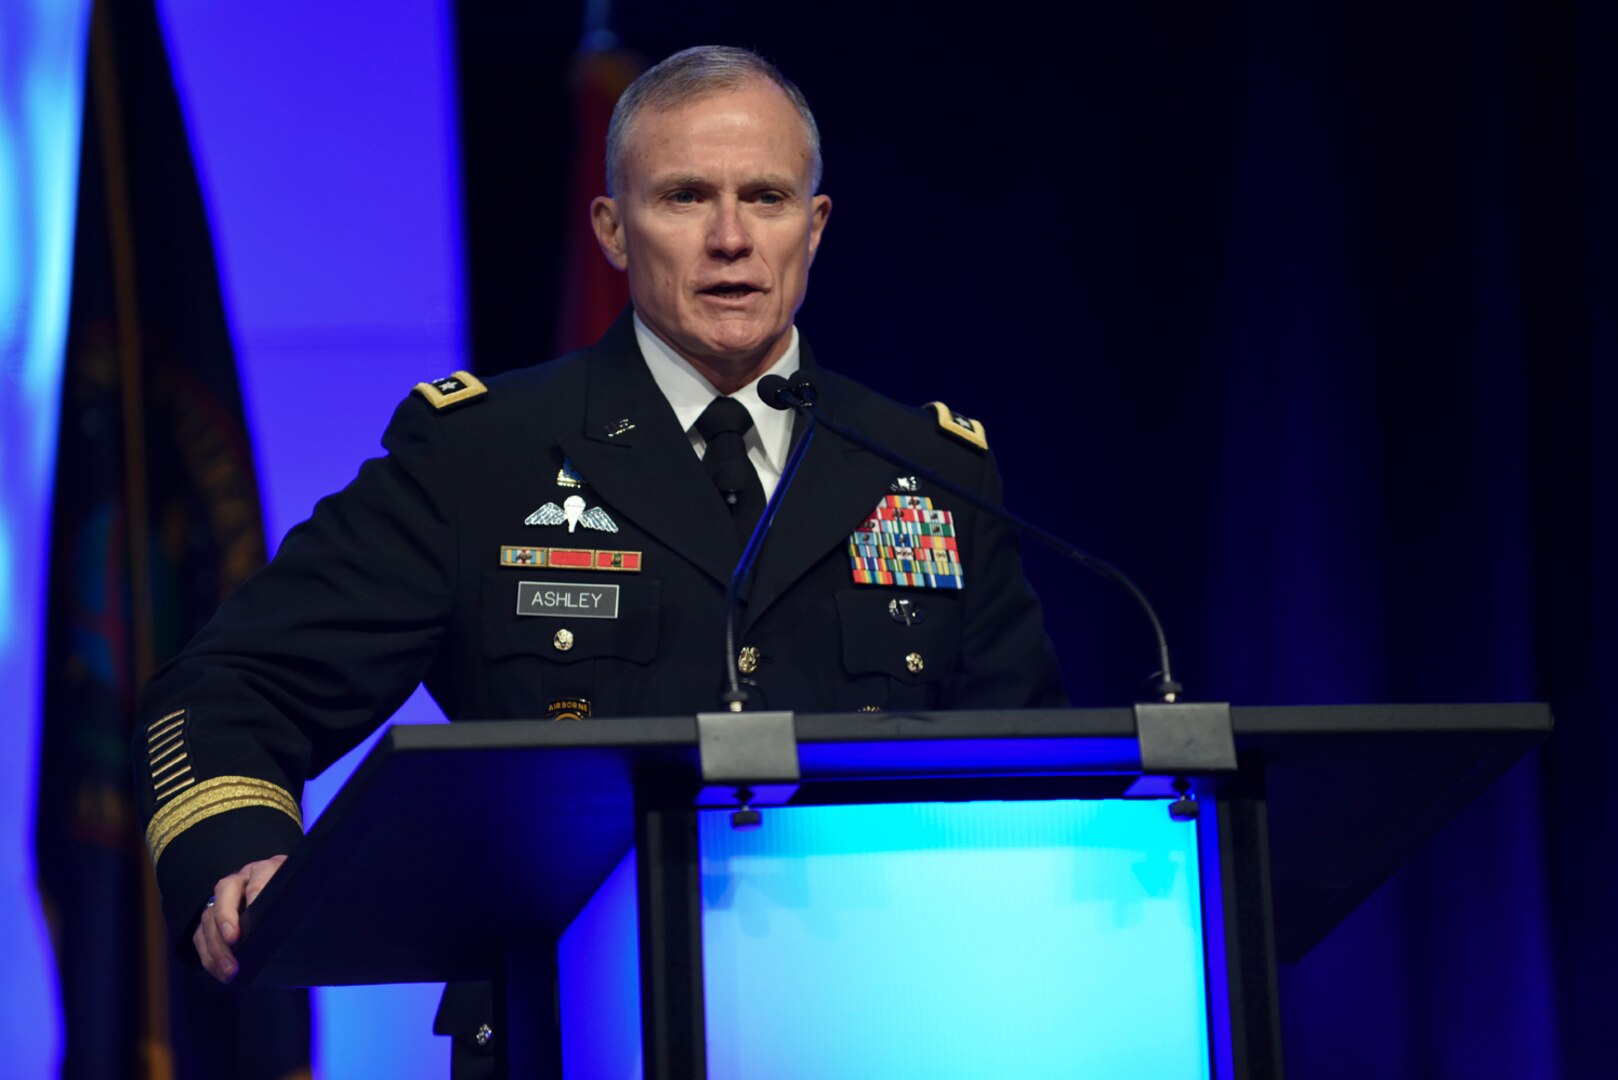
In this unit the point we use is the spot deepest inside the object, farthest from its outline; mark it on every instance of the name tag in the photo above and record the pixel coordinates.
(559, 598)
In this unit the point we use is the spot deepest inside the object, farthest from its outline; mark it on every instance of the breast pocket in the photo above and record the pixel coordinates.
(899, 643)
(570, 636)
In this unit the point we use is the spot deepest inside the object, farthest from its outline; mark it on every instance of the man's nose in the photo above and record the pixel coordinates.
(728, 237)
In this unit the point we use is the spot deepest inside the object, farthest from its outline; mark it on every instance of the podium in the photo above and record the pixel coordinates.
(464, 851)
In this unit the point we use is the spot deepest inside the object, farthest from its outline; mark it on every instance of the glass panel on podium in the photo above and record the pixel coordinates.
(954, 940)
(933, 939)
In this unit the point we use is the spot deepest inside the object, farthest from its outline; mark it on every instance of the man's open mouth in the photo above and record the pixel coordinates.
(730, 290)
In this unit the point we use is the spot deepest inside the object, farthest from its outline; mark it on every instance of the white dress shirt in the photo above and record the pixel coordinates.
(768, 441)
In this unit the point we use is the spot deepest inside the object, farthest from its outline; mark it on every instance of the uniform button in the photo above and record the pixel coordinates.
(914, 663)
(747, 660)
(563, 640)
(484, 1034)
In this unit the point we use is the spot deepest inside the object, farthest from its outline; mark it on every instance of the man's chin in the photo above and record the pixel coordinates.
(731, 364)
(738, 347)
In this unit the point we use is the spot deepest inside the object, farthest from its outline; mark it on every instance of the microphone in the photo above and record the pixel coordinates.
(798, 394)
(780, 393)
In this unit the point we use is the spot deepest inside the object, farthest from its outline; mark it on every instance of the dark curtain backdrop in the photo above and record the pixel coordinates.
(1304, 313)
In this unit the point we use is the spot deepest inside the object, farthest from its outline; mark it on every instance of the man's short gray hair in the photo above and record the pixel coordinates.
(694, 73)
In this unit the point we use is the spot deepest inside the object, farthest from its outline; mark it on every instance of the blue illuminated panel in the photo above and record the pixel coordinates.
(325, 142)
(1047, 939)
(598, 967)
(41, 93)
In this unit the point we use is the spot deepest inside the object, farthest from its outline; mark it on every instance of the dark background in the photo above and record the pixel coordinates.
(1304, 314)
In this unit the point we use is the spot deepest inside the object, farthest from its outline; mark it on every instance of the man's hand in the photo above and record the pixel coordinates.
(221, 924)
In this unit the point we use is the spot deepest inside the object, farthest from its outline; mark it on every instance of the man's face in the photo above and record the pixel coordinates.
(715, 222)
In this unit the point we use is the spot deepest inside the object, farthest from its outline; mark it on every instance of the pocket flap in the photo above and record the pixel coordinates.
(878, 640)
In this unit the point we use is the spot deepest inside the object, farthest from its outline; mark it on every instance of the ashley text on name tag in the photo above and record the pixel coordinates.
(558, 598)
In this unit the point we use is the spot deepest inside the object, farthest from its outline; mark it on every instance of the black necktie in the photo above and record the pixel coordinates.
(722, 425)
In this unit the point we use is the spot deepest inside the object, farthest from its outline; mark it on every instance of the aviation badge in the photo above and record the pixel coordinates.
(909, 543)
(573, 513)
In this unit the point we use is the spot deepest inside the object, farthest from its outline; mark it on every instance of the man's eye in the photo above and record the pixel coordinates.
(683, 198)
(770, 198)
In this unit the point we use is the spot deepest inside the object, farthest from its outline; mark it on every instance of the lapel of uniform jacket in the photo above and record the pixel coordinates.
(630, 449)
(836, 488)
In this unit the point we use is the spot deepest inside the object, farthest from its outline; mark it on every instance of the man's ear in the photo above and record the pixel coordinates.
(819, 214)
(609, 229)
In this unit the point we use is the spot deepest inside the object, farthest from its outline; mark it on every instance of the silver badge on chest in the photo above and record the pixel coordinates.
(572, 513)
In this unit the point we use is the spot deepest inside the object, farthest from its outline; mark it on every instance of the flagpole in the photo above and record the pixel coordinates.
(156, 1050)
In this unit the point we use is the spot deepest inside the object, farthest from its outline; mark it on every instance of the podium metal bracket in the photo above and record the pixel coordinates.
(1185, 738)
(748, 758)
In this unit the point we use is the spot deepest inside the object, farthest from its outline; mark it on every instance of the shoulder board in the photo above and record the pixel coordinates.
(964, 428)
(451, 390)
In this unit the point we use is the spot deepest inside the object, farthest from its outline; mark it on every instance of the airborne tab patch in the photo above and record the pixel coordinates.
(569, 709)
(964, 428)
(451, 390)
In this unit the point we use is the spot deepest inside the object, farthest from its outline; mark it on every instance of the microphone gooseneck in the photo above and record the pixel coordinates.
(770, 388)
(798, 394)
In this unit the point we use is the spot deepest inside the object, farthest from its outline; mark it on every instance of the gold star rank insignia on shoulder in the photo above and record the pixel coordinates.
(958, 426)
(451, 390)
(907, 542)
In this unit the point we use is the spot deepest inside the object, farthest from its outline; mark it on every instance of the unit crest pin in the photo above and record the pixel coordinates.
(567, 476)
(906, 611)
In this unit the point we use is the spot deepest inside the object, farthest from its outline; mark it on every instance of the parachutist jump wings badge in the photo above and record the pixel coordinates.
(573, 513)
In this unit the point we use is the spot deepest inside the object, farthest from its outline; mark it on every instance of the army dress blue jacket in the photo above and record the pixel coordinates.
(441, 564)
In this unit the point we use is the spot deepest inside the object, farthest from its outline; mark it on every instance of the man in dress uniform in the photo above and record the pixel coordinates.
(558, 540)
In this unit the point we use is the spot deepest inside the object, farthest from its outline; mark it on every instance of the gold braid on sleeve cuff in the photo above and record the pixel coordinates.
(212, 797)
